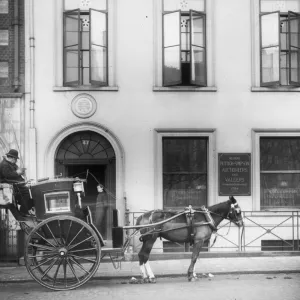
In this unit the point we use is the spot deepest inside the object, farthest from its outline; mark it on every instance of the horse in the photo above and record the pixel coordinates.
(191, 225)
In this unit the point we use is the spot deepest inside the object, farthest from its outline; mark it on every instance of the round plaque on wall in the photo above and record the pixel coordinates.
(84, 106)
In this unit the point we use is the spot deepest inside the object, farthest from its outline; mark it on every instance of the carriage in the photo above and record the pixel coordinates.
(64, 248)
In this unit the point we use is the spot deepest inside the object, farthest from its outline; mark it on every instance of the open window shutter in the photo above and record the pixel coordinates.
(294, 48)
(198, 48)
(72, 48)
(98, 48)
(270, 48)
(171, 49)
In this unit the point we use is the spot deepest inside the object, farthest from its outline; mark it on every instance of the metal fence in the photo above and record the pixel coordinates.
(263, 231)
(11, 237)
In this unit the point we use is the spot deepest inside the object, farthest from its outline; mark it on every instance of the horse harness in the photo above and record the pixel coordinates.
(190, 223)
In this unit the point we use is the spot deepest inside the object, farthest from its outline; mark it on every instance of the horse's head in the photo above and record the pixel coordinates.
(235, 212)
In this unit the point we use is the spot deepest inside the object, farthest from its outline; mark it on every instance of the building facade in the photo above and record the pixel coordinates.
(168, 103)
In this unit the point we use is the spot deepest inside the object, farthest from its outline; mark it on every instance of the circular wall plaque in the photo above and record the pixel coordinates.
(84, 106)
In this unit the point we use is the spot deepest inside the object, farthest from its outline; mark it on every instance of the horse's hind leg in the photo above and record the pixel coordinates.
(196, 250)
(146, 272)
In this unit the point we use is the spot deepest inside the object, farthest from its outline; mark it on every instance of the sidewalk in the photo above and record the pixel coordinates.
(178, 267)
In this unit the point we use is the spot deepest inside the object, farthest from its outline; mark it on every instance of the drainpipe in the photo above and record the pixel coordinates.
(16, 25)
(32, 129)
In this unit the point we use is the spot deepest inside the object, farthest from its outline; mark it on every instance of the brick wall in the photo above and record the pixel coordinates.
(7, 52)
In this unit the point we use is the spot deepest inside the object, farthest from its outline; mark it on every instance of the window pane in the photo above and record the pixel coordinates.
(184, 155)
(270, 30)
(275, 5)
(98, 28)
(172, 65)
(71, 30)
(295, 65)
(98, 64)
(4, 37)
(294, 30)
(280, 190)
(270, 64)
(183, 5)
(3, 6)
(198, 66)
(279, 154)
(3, 73)
(85, 4)
(198, 30)
(171, 29)
(184, 171)
(185, 33)
(71, 66)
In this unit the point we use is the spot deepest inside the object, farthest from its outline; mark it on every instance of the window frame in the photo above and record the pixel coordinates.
(210, 134)
(255, 55)
(257, 134)
(210, 53)
(58, 51)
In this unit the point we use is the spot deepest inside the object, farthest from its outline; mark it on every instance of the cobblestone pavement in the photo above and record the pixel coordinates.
(225, 287)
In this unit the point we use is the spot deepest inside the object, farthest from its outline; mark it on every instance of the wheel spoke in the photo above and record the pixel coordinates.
(90, 237)
(52, 235)
(45, 239)
(49, 268)
(65, 272)
(72, 269)
(82, 257)
(41, 246)
(76, 236)
(79, 265)
(56, 272)
(44, 262)
(69, 229)
(42, 255)
(81, 250)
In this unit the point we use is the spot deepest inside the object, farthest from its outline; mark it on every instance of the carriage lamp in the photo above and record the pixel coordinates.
(78, 187)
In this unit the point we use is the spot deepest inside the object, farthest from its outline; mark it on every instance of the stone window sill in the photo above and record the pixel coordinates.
(184, 89)
(275, 89)
(85, 88)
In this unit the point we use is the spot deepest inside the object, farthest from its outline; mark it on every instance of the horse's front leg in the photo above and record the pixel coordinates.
(196, 250)
(145, 269)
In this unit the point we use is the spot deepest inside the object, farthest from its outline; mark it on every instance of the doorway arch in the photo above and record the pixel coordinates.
(59, 137)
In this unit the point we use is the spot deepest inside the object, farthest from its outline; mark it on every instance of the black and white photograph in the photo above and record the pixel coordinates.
(150, 149)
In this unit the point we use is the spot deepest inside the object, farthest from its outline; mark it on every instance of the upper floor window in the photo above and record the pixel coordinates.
(184, 43)
(85, 43)
(3, 6)
(280, 43)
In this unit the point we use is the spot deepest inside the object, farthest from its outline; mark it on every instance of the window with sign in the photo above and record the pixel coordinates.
(85, 43)
(280, 172)
(280, 43)
(184, 43)
(184, 171)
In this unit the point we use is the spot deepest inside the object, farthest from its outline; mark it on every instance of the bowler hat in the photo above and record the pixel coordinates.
(13, 153)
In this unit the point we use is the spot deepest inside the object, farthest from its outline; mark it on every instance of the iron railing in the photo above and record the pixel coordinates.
(263, 231)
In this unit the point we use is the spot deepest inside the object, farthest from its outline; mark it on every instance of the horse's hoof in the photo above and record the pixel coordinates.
(145, 280)
(152, 280)
(192, 279)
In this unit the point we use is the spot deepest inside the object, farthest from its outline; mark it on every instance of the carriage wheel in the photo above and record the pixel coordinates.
(62, 253)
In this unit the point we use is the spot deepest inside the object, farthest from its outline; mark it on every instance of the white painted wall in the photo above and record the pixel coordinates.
(134, 111)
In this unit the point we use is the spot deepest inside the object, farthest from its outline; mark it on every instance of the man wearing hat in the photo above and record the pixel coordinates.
(11, 173)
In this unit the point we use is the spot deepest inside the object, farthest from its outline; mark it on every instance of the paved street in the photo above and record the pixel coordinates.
(231, 287)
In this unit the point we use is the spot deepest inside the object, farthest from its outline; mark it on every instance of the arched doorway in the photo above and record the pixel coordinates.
(88, 154)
